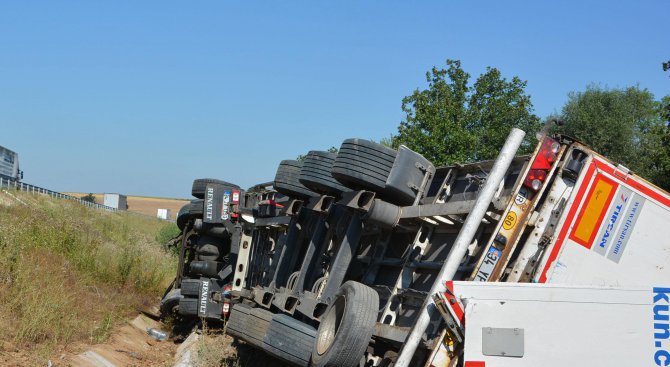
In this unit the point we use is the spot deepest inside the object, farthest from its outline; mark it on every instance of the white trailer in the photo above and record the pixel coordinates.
(530, 325)
(579, 220)
(163, 214)
(116, 201)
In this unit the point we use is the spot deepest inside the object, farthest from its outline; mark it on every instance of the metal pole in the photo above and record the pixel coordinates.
(460, 247)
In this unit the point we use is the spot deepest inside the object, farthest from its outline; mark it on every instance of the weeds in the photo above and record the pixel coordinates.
(167, 232)
(102, 332)
(68, 272)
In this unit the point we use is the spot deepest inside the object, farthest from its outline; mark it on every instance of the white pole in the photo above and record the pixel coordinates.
(460, 247)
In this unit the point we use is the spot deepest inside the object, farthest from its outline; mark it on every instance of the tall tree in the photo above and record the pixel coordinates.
(627, 125)
(452, 122)
(654, 163)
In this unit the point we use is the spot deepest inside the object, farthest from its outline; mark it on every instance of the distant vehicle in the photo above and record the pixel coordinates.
(9, 165)
(164, 214)
(116, 201)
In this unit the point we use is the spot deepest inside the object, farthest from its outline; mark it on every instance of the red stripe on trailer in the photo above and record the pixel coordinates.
(475, 364)
(636, 184)
(641, 186)
(453, 302)
(566, 225)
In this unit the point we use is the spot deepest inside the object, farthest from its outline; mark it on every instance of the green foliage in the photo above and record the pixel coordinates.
(90, 198)
(387, 142)
(168, 236)
(168, 232)
(611, 121)
(451, 121)
(626, 125)
(302, 157)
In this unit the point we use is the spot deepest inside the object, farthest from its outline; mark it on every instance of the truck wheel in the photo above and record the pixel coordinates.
(287, 180)
(169, 303)
(249, 324)
(235, 326)
(289, 340)
(346, 327)
(190, 287)
(183, 216)
(363, 165)
(197, 208)
(394, 175)
(188, 306)
(200, 186)
(315, 173)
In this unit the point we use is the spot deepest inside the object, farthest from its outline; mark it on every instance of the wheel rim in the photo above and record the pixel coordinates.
(330, 325)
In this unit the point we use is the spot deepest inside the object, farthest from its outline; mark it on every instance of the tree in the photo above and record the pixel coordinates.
(627, 125)
(90, 198)
(452, 122)
(302, 157)
(611, 121)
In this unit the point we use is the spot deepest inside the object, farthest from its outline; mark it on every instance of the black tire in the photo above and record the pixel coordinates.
(183, 216)
(367, 145)
(169, 303)
(346, 327)
(290, 340)
(367, 170)
(235, 326)
(190, 287)
(363, 165)
(287, 180)
(200, 186)
(382, 160)
(249, 324)
(188, 307)
(357, 180)
(315, 173)
(356, 161)
(197, 208)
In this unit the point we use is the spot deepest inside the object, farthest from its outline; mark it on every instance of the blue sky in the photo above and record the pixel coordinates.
(141, 97)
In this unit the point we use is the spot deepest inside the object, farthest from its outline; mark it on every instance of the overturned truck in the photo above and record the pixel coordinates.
(207, 248)
(347, 258)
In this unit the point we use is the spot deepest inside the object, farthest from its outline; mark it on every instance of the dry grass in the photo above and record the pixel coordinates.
(69, 273)
(220, 350)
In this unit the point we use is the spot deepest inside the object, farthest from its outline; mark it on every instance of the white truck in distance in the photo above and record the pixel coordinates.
(9, 165)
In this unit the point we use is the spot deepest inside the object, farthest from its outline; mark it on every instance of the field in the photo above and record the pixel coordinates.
(144, 204)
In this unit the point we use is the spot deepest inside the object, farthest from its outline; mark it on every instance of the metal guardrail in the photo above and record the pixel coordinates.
(9, 183)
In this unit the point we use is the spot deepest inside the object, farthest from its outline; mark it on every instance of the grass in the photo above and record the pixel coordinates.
(69, 273)
(215, 348)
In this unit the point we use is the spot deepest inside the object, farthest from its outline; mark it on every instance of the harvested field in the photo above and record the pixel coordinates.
(144, 204)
